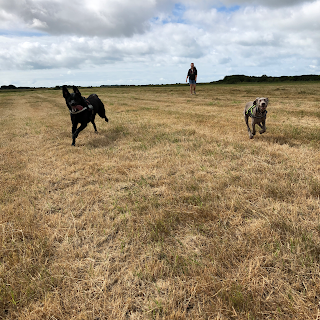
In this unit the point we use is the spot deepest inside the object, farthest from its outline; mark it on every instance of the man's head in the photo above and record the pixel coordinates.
(192, 65)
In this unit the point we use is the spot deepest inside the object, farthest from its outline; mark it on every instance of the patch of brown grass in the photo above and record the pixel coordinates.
(170, 212)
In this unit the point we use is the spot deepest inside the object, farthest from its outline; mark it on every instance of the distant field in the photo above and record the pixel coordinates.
(170, 212)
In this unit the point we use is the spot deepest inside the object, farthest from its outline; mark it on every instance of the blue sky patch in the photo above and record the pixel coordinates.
(176, 15)
(178, 10)
(19, 33)
(228, 9)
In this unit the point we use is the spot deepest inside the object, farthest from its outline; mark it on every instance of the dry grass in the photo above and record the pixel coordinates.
(170, 212)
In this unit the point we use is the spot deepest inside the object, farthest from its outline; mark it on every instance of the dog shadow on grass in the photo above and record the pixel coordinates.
(293, 136)
(278, 139)
(289, 141)
(107, 137)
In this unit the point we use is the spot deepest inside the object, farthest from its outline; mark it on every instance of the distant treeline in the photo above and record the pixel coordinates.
(242, 78)
(11, 87)
(238, 78)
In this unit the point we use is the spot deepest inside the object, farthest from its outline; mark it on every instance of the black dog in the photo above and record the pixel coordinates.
(82, 110)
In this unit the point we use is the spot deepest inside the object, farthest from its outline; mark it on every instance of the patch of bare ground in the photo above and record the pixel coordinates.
(170, 212)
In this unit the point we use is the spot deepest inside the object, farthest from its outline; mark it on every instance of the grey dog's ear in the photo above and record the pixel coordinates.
(255, 102)
(267, 100)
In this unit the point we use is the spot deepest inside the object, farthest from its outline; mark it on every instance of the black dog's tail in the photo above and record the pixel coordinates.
(98, 106)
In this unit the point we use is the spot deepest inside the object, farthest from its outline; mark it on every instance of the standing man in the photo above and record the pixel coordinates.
(192, 74)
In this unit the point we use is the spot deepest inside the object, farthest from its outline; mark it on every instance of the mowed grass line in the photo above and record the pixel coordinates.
(170, 212)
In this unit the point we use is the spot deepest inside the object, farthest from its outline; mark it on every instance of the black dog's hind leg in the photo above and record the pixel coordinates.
(76, 133)
(93, 123)
(98, 106)
(102, 113)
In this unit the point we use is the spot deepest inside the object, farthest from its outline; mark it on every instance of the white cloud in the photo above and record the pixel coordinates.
(157, 38)
(107, 18)
(229, 3)
(37, 24)
(84, 17)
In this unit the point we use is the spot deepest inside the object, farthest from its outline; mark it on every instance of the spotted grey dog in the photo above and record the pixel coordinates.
(257, 111)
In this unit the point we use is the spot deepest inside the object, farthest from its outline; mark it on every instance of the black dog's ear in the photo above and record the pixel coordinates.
(76, 90)
(255, 102)
(65, 92)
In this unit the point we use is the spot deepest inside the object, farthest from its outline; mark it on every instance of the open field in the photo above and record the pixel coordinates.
(170, 212)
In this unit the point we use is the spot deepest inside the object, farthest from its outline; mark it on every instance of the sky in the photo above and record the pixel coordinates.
(107, 42)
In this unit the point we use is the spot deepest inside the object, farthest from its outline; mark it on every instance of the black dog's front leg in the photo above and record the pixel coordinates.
(74, 128)
(76, 133)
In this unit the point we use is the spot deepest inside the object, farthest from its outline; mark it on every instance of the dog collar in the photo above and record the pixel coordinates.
(90, 106)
